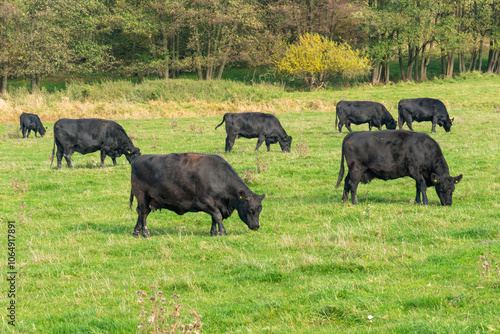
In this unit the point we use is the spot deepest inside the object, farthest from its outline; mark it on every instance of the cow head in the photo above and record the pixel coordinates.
(249, 208)
(42, 130)
(447, 124)
(391, 125)
(132, 153)
(445, 185)
(285, 143)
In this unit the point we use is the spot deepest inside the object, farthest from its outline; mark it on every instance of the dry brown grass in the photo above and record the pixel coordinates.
(10, 109)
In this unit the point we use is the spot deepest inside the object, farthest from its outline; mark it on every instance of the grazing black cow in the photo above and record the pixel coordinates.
(391, 155)
(31, 122)
(88, 135)
(191, 182)
(266, 127)
(421, 110)
(359, 112)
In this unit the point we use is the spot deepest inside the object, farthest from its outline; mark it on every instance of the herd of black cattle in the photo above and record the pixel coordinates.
(192, 182)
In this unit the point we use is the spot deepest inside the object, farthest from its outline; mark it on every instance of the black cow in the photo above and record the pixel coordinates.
(390, 155)
(191, 182)
(421, 110)
(88, 135)
(359, 112)
(31, 122)
(266, 127)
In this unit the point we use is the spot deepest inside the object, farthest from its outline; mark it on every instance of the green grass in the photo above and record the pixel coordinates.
(316, 265)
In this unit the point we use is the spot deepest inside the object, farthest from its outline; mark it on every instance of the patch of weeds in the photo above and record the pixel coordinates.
(154, 144)
(302, 148)
(174, 123)
(261, 165)
(156, 321)
(19, 185)
(132, 135)
(21, 214)
(248, 176)
(11, 132)
(489, 270)
(339, 314)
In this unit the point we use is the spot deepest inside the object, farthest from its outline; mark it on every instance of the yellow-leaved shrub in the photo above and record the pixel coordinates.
(315, 59)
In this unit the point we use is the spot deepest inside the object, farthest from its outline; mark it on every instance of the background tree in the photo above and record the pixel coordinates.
(44, 40)
(9, 40)
(315, 60)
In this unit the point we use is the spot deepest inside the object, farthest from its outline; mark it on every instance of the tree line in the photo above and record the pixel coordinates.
(40, 38)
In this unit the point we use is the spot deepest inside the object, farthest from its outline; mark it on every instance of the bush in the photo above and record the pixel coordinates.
(315, 60)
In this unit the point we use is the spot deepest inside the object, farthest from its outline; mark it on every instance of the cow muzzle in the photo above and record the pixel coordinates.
(255, 228)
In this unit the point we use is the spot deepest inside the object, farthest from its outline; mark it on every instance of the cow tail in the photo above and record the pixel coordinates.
(341, 171)
(223, 120)
(131, 199)
(53, 151)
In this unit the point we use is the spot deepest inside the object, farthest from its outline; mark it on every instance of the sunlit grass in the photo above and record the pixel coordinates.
(316, 264)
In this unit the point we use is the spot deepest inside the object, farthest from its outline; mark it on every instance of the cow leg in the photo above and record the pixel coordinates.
(354, 179)
(260, 141)
(417, 197)
(370, 126)
(59, 155)
(230, 142)
(35, 133)
(29, 131)
(143, 211)
(103, 156)
(217, 222)
(347, 187)
(268, 144)
(141, 223)
(67, 155)
(434, 121)
(341, 124)
(409, 122)
(23, 129)
(421, 188)
(348, 126)
(114, 161)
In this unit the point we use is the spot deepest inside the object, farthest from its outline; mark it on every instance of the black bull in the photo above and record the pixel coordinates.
(191, 182)
(359, 112)
(390, 155)
(266, 127)
(89, 135)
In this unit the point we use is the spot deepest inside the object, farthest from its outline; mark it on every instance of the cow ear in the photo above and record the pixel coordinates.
(457, 179)
(241, 194)
(452, 119)
(285, 138)
(434, 178)
(261, 197)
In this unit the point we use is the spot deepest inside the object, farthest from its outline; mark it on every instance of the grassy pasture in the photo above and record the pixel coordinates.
(316, 265)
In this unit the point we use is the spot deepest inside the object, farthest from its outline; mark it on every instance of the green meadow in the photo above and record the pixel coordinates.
(316, 265)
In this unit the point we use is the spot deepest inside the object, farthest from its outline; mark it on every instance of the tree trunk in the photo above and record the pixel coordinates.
(451, 63)
(386, 71)
(417, 74)
(375, 78)
(461, 63)
(38, 81)
(221, 68)
(3, 86)
(472, 64)
(33, 84)
(409, 67)
(401, 67)
(480, 57)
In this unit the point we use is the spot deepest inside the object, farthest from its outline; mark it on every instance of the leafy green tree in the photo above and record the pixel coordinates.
(44, 41)
(316, 59)
(9, 40)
